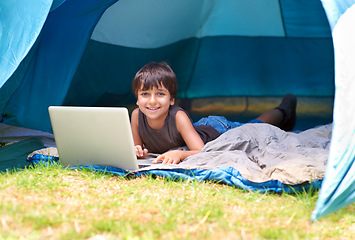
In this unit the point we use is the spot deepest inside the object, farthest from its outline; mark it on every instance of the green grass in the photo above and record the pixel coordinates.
(48, 202)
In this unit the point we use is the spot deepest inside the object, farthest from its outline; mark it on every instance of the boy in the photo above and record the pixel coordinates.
(158, 125)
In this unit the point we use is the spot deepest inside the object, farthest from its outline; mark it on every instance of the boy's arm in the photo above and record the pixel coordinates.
(175, 156)
(140, 152)
(190, 136)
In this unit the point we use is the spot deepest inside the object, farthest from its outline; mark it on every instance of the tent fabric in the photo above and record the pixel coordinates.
(13, 156)
(57, 54)
(338, 188)
(252, 56)
(282, 19)
(88, 52)
(24, 17)
(12, 134)
(57, 3)
(335, 8)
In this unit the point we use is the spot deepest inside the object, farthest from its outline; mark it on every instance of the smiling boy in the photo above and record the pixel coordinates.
(159, 126)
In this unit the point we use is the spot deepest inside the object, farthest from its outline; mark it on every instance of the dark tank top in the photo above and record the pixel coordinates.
(160, 141)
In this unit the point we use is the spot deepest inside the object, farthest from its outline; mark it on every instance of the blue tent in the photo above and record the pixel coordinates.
(85, 52)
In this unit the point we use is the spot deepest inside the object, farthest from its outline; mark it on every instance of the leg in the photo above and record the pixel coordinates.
(221, 124)
(273, 117)
(283, 116)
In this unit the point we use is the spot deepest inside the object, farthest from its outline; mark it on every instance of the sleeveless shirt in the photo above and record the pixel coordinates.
(160, 141)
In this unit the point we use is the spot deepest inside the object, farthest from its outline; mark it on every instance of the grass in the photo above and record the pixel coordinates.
(48, 202)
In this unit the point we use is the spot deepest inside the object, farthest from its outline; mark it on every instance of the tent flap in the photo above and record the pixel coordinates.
(338, 188)
(21, 23)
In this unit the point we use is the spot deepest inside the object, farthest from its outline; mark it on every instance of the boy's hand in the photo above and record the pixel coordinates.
(172, 157)
(140, 152)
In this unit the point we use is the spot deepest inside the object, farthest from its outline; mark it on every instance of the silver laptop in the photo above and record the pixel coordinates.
(94, 136)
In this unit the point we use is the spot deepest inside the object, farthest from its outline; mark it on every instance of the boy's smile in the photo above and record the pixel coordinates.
(155, 103)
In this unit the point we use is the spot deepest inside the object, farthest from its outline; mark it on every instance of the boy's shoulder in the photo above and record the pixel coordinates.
(181, 114)
(135, 112)
(173, 110)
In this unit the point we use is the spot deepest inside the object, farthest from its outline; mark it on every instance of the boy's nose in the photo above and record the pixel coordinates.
(153, 99)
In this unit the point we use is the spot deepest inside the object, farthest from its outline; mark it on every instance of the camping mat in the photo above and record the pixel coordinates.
(257, 157)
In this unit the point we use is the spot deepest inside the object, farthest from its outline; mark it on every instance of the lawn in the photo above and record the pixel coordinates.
(49, 202)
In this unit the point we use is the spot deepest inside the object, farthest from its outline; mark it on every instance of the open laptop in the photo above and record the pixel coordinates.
(94, 136)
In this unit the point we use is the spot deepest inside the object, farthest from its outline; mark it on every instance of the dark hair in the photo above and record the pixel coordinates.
(155, 74)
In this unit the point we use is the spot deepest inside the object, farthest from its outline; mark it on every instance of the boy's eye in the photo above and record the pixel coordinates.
(144, 94)
(161, 94)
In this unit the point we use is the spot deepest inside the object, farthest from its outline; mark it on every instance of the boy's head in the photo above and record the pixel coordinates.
(155, 74)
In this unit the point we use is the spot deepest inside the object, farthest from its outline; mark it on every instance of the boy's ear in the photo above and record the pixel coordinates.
(172, 101)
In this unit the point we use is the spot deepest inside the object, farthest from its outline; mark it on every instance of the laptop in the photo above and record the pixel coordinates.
(94, 136)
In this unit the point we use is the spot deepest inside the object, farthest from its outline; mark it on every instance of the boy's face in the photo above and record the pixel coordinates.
(155, 102)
